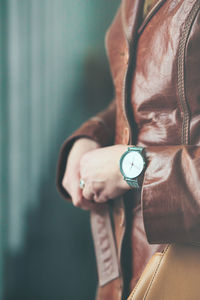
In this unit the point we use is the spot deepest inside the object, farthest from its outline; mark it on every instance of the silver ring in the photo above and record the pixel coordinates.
(82, 184)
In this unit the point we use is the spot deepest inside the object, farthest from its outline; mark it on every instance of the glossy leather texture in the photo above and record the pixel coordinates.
(170, 275)
(155, 66)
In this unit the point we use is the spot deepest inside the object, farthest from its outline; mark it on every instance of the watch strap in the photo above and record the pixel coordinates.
(139, 149)
(133, 183)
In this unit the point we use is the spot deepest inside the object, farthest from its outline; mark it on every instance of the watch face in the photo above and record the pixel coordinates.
(132, 164)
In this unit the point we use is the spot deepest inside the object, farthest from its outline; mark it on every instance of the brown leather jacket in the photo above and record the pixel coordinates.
(156, 73)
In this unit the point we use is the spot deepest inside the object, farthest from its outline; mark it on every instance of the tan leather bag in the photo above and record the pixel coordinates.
(173, 274)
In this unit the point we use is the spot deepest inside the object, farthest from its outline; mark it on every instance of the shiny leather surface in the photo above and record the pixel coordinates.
(171, 275)
(165, 106)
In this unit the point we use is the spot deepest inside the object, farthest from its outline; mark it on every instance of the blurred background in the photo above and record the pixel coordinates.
(53, 75)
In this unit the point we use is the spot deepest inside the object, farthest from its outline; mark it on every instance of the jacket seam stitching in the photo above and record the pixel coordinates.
(181, 73)
(161, 254)
(156, 271)
(140, 279)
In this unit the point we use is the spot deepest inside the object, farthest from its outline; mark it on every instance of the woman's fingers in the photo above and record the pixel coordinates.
(87, 192)
(73, 188)
(76, 194)
(71, 179)
(81, 198)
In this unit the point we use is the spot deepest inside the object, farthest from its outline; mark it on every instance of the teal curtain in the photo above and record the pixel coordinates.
(53, 75)
(3, 142)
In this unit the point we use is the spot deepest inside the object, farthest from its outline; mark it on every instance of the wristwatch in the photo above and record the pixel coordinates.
(132, 164)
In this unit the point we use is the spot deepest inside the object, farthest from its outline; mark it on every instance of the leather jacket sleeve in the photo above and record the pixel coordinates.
(171, 194)
(100, 128)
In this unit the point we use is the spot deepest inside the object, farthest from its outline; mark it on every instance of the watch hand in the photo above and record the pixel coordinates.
(132, 164)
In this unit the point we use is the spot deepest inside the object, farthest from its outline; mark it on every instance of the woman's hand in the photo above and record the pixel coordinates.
(71, 178)
(100, 172)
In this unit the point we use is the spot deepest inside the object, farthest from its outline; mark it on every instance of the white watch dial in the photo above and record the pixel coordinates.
(132, 164)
